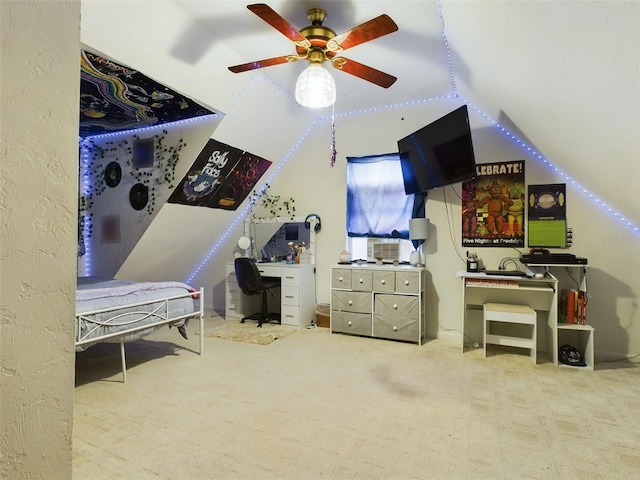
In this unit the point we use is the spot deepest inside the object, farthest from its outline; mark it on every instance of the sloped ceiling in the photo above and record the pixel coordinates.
(115, 98)
(562, 75)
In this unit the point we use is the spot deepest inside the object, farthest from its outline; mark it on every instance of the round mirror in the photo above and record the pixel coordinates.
(244, 243)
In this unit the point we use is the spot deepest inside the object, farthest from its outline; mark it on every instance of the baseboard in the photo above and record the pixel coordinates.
(604, 356)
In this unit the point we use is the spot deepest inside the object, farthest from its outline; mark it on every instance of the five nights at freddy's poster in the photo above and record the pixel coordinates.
(493, 206)
(221, 177)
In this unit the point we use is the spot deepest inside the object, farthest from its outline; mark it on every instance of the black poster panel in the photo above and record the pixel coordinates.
(221, 177)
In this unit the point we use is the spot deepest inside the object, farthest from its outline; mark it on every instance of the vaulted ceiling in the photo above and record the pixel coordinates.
(562, 75)
(115, 98)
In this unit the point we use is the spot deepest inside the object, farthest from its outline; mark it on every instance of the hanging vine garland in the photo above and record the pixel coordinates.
(163, 172)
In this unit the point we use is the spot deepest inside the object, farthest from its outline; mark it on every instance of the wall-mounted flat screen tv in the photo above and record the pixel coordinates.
(438, 154)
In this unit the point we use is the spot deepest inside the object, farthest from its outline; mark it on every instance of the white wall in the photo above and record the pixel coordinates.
(610, 247)
(38, 202)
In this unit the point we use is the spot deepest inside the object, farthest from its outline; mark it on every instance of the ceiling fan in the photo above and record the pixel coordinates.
(318, 43)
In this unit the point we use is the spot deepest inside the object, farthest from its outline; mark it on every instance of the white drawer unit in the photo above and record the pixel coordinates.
(381, 301)
(296, 299)
(233, 294)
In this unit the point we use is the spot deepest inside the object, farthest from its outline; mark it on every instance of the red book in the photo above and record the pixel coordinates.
(582, 307)
(571, 306)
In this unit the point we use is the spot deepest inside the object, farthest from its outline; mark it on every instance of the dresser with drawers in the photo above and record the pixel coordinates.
(382, 301)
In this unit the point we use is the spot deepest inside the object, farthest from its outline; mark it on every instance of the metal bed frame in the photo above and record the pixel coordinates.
(158, 310)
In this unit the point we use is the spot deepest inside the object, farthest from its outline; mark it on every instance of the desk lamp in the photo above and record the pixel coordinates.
(418, 233)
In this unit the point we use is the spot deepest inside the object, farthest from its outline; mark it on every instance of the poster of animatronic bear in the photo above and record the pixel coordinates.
(493, 206)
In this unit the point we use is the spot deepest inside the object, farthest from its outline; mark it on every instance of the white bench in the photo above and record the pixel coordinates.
(515, 314)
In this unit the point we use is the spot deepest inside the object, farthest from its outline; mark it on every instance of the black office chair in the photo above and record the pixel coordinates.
(252, 283)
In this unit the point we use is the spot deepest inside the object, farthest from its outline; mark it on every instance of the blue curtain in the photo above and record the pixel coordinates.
(377, 205)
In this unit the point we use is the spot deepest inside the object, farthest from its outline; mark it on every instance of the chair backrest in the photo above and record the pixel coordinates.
(248, 276)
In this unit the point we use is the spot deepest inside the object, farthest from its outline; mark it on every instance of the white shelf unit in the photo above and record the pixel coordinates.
(578, 335)
(581, 337)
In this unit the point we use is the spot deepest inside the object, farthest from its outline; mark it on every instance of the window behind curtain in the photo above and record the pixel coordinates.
(377, 205)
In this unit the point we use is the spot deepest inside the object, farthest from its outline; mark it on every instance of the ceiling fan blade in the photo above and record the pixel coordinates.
(363, 71)
(266, 13)
(370, 30)
(268, 62)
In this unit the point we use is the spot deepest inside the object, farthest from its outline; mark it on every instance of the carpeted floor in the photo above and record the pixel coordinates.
(314, 405)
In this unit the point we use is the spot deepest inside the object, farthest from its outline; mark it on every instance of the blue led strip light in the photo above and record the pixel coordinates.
(244, 211)
(411, 103)
(86, 188)
(446, 46)
(538, 156)
(154, 128)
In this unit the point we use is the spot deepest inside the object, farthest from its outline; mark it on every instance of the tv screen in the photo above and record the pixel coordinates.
(438, 154)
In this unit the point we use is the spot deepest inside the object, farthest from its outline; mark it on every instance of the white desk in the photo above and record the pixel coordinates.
(295, 300)
(539, 294)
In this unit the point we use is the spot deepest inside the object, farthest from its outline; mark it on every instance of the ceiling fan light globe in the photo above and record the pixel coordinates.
(315, 87)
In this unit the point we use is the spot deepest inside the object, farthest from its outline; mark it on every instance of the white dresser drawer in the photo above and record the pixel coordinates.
(269, 270)
(290, 315)
(395, 328)
(290, 295)
(361, 280)
(353, 323)
(290, 276)
(233, 307)
(397, 305)
(384, 281)
(234, 290)
(408, 282)
(341, 278)
(351, 301)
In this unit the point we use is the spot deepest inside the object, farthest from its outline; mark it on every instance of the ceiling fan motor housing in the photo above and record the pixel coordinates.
(318, 35)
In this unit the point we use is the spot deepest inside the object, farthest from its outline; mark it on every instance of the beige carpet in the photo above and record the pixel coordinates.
(316, 405)
(247, 332)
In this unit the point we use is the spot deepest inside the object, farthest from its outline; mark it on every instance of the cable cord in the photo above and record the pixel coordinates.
(450, 225)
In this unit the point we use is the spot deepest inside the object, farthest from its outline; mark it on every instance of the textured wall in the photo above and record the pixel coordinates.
(39, 51)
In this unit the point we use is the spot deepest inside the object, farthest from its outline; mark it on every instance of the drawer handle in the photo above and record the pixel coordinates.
(340, 278)
(349, 323)
(395, 306)
(350, 302)
(395, 329)
(383, 282)
(406, 282)
(362, 280)
(288, 296)
(289, 277)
